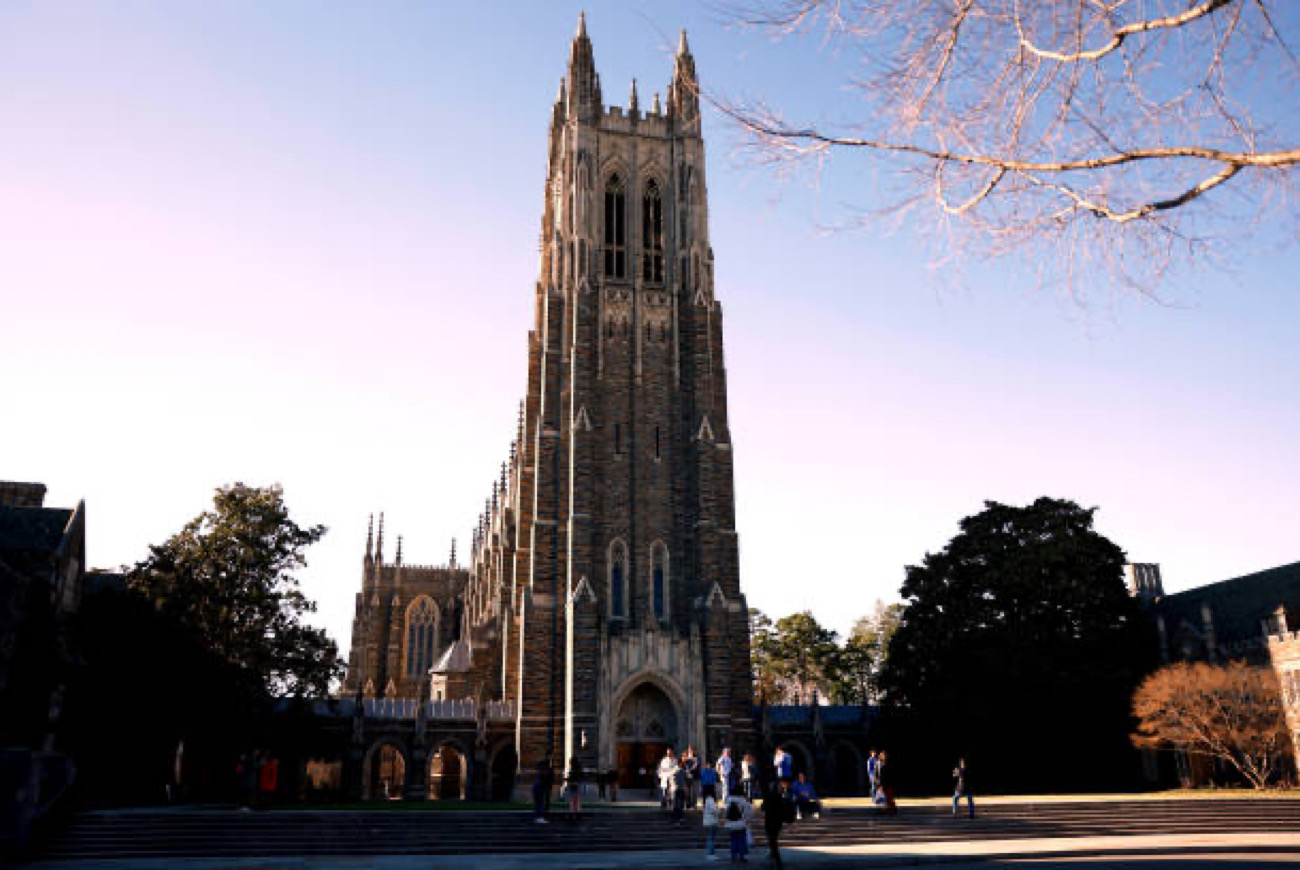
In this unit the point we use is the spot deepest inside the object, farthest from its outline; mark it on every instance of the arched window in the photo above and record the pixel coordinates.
(615, 229)
(652, 234)
(617, 579)
(659, 580)
(421, 632)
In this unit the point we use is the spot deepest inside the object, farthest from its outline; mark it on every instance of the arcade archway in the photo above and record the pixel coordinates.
(448, 774)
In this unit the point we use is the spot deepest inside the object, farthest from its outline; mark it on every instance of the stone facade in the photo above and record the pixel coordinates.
(1284, 652)
(602, 592)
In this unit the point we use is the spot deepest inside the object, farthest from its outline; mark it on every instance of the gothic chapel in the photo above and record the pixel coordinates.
(600, 603)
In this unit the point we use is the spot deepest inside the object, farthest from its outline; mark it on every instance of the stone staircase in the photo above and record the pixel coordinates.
(231, 834)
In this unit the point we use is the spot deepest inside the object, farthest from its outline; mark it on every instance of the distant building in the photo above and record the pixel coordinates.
(1253, 618)
(42, 570)
(1225, 621)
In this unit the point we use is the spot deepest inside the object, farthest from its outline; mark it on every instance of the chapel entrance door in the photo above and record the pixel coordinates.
(646, 727)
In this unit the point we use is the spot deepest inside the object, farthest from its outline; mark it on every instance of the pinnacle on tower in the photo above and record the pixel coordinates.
(682, 47)
(370, 540)
(581, 82)
(452, 562)
(399, 549)
(632, 103)
(379, 543)
(684, 92)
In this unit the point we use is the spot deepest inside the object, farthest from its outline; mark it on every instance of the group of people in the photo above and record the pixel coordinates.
(730, 794)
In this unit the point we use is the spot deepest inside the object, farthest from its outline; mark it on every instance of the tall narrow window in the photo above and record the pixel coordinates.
(656, 442)
(659, 579)
(615, 229)
(618, 438)
(421, 629)
(652, 234)
(617, 579)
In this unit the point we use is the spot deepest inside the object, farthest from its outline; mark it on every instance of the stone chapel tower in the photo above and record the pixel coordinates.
(608, 567)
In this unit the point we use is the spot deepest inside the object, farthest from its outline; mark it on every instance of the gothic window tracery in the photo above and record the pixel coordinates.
(615, 229)
(659, 580)
(617, 578)
(652, 234)
(421, 636)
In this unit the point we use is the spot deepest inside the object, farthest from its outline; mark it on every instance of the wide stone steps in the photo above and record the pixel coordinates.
(200, 833)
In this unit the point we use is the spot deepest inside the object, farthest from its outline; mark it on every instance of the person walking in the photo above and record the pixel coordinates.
(712, 816)
(542, 790)
(776, 809)
(724, 772)
(573, 790)
(961, 788)
(885, 776)
(738, 813)
(871, 774)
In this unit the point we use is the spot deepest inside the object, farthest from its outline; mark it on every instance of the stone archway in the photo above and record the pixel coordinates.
(502, 772)
(384, 771)
(448, 773)
(646, 723)
(848, 770)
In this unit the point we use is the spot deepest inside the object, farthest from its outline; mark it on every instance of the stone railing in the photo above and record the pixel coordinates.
(465, 708)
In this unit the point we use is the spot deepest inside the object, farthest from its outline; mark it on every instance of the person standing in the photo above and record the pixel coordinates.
(738, 813)
(885, 776)
(678, 794)
(691, 764)
(542, 790)
(871, 774)
(749, 777)
(708, 781)
(711, 819)
(724, 772)
(961, 788)
(667, 766)
(775, 811)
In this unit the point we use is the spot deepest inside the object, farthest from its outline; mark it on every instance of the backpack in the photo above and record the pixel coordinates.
(733, 811)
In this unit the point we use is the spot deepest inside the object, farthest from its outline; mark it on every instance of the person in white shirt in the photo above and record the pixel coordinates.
(667, 769)
(711, 819)
(724, 772)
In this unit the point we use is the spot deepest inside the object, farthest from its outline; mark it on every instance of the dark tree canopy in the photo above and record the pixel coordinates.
(1019, 646)
(228, 577)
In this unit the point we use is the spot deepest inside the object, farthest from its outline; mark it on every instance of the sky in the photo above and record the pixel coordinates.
(296, 243)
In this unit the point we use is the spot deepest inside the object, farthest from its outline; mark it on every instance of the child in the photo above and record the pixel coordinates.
(738, 811)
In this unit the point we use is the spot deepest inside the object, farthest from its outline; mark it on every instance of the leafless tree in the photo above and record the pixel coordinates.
(1231, 712)
(1076, 133)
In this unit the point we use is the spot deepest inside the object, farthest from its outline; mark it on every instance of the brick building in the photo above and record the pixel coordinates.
(600, 603)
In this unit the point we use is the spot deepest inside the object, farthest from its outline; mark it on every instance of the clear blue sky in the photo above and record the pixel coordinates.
(297, 242)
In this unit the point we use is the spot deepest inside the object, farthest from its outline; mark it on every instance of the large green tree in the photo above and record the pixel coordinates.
(228, 576)
(1020, 646)
(792, 658)
(859, 663)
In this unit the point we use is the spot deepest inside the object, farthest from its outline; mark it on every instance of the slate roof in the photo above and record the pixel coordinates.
(1238, 604)
(32, 530)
